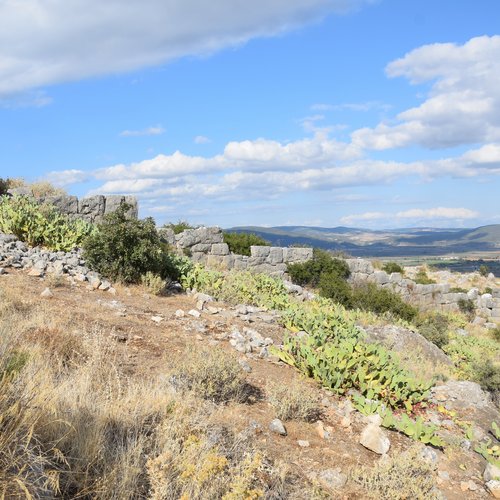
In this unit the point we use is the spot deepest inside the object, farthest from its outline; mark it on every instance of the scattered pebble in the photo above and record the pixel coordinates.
(194, 313)
(303, 443)
(157, 319)
(277, 427)
(46, 294)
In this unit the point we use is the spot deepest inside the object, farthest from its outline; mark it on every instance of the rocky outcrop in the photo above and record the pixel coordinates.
(91, 208)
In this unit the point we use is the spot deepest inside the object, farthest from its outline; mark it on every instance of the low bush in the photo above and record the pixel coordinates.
(495, 333)
(4, 186)
(240, 243)
(484, 270)
(334, 287)
(211, 374)
(406, 475)
(487, 375)
(392, 267)
(293, 402)
(153, 283)
(369, 297)
(41, 224)
(124, 249)
(467, 307)
(310, 272)
(421, 278)
(179, 227)
(458, 289)
(434, 327)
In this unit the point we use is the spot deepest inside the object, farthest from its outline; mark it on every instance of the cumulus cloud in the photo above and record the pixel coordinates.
(462, 107)
(64, 178)
(414, 214)
(352, 106)
(201, 139)
(43, 42)
(156, 130)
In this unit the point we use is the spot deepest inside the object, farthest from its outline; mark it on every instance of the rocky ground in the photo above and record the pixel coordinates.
(152, 331)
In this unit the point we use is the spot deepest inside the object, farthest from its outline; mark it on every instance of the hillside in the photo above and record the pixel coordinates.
(389, 243)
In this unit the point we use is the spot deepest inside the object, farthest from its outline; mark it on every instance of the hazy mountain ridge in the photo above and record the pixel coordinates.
(383, 243)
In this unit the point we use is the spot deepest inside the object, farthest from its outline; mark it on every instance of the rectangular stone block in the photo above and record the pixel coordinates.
(219, 249)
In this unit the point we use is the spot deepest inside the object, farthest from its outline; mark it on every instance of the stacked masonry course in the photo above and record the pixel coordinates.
(206, 246)
(91, 208)
(436, 296)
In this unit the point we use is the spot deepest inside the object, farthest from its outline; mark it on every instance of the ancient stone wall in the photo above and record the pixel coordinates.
(91, 208)
(206, 245)
(434, 296)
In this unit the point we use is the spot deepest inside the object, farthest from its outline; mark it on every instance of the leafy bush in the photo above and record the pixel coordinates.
(487, 375)
(293, 402)
(392, 267)
(495, 333)
(421, 278)
(458, 289)
(179, 227)
(369, 297)
(41, 224)
(484, 270)
(434, 327)
(4, 186)
(310, 272)
(240, 243)
(124, 249)
(334, 287)
(467, 307)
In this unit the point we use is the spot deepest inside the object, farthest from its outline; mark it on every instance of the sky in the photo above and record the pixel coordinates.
(361, 113)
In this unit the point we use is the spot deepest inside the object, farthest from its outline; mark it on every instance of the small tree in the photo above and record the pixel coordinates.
(124, 249)
(484, 270)
(240, 243)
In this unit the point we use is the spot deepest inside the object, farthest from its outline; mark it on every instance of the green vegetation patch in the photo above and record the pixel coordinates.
(41, 225)
(240, 243)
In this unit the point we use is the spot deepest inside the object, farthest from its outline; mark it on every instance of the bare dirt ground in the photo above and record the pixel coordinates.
(149, 348)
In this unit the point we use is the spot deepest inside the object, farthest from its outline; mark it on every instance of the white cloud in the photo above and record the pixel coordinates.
(462, 107)
(414, 214)
(156, 130)
(43, 42)
(27, 99)
(201, 139)
(63, 178)
(353, 106)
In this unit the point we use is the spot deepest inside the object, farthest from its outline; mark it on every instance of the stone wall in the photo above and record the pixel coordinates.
(91, 208)
(435, 296)
(206, 245)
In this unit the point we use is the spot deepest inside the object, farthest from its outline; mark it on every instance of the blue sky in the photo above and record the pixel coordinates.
(368, 113)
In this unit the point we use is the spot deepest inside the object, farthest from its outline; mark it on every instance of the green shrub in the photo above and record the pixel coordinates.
(467, 307)
(392, 267)
(336, 288)
(309, 273)
(4, 186)
(180, 226)
(124, 249)
(369, 297)
(487, 375)
(484, 270)
(434, 327)
(421, 278)
(240, 243)
(41, 225)
(458, 289)
(495, 333)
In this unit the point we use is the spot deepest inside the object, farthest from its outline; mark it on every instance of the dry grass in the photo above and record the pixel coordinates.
(211, 374)
(293, 401)
(403, 477)
(74, 425)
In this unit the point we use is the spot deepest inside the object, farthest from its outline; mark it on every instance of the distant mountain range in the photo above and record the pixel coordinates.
(384, 243)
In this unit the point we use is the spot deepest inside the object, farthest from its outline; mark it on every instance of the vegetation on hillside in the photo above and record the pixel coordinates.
(41, 225)
(330, 275)
(240, 243)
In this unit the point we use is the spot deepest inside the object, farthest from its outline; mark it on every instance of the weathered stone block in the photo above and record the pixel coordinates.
(259, 252)
(380, 277)
(92, 208)
(292, 255)
(219, 249)
(275, 255)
